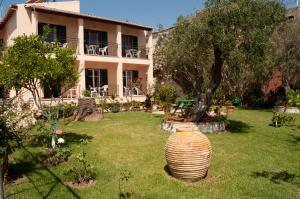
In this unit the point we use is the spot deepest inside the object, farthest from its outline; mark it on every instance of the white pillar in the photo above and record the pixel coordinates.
(120, 79)
(80, 37)
(81, 83)
(119, 40)
(34, 22)
(150, 80)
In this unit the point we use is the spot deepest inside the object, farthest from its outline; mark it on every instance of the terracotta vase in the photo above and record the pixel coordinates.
(188, 155)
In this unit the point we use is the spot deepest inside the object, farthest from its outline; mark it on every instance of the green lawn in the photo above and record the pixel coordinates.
(253, 160)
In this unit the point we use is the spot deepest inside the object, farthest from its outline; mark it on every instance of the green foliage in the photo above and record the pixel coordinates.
(86, 93)
(31, 61)
(82, 169)
(124, 178)
(230, 39)
(280, 119)
(294, 98)
(64, 110)
(165, 94)
(62, 152)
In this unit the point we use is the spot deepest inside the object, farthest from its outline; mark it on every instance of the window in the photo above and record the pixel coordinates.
(95, 78)
(128, 76)
(57, 33)
(92, 37)
(129, 42)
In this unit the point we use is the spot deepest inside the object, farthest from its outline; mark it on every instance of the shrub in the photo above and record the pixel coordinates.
(294, 98)
(86, 93)
(280, 119)
(82, 170)
(166, 95)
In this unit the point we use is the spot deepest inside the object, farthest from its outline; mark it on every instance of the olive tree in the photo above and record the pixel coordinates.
(204, 46)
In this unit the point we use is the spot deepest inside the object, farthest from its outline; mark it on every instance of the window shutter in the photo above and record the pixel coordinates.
(88, 79)
(135, 74)
(103, 77)
(134, 42)
(61, 34)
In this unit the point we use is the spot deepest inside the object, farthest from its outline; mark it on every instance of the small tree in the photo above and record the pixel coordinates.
(32, 63)
(202, 47)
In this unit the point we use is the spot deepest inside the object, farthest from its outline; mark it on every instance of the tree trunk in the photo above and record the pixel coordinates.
(1, 185)
(286, 86)
(5, 169)
(204, 99)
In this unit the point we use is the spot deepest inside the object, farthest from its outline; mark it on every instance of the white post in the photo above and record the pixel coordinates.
(80, 37)
(150, 80)
(120, 79)
(119, 40)
(81, 83)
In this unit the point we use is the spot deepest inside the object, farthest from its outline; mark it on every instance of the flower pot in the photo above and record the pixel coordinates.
(188, 119)
(148, 110)
(177, 119)
(230, 109)
(188, 155)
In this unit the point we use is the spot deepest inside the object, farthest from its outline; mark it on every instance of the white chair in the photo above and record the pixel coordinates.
(135, 91)
(104, 90)
(93, 91)
(103, 51)
(91, 49)
(64, 45)
(128, 53)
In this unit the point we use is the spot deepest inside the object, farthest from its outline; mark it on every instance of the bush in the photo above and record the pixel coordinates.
(280, 119)
(294, 98)
(166, 94)
(62, 111)
(86, 93)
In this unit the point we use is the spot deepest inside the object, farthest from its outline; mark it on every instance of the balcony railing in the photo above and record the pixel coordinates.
(69, 42)
(101, 49)
(140, 52)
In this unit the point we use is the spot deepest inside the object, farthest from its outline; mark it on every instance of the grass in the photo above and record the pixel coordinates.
(252, 160)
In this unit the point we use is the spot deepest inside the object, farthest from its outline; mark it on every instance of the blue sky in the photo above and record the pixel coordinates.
(151, 13)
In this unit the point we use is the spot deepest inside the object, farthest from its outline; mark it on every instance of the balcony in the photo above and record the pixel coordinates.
(101, 49)
(140, 52)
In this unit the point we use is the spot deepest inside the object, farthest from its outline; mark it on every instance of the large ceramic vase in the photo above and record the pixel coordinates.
(188, 155)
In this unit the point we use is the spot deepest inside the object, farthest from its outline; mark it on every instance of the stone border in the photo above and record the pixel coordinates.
(289, 110)
(209, 127)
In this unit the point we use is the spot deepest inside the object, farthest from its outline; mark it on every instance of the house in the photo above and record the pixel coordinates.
(110, 53)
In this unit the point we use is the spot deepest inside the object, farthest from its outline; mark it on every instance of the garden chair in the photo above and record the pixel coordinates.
(128, 53)
(104, 90)
(103, 51)
(94, 92)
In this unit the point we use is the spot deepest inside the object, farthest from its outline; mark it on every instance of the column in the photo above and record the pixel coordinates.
(81, 82)
(34, 22)
(120, 79)
(80, 41)
(150, 78)
(119, 40)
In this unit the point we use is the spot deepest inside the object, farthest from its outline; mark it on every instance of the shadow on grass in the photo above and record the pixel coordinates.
(234, 126)
(277, 177)
(70, 138)
(294, 140)
(30, 164)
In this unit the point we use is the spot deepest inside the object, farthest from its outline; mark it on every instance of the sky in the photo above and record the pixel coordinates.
(144, 12)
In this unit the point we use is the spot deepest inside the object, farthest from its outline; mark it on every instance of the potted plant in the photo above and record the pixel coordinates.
(229, 106)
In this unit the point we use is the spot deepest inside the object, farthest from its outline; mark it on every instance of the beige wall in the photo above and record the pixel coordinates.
(126, 30)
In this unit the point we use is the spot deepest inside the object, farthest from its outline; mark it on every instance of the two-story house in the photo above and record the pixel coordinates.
(110, 53)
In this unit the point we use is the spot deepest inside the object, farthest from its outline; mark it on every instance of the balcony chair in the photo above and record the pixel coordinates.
(104, 90)
(128, 53)
(103, 51)
(91, 49)
(94, 92)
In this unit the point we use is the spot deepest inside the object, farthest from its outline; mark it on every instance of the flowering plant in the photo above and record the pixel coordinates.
(280, 119)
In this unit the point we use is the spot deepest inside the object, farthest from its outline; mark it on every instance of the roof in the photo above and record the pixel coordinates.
(9, 13)
(86, 16)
